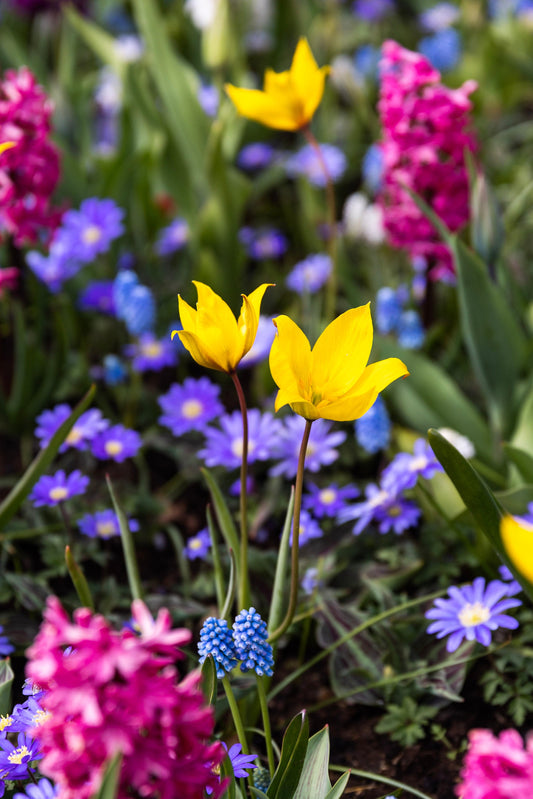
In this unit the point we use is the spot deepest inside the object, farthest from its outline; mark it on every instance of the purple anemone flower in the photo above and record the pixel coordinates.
(386, 508)
(328, 501)
(263, 243)
(240, 762)
(89, 231)
(473, 612)
(52, 489)
(223, 447)
(198, 545)
(82, 432)
(310, 274)
(172, 238)
(98, 296)
(15, 759)
(372, 10)
(309, 529)
(190, 406)
(103, 524)
(116, 443)
(256, 155)
(27, 715)
(149, 353)
(307, 163)
(321, 449)
(6, 647)
(405, 469)
(41, 790)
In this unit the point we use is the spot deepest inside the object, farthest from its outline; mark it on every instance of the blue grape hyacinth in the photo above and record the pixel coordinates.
(250, 638)
(216, 640)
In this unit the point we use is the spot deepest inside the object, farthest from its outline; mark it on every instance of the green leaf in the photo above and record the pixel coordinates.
(226, 770)
(257, 792)
(110, 780)
(6, 680)
(79, 580)
(128, 547)
(40, 464)
(428, 397)
(523, 433)
(314, 780)
(338, 789)
(293, 750)
(209, 680)
(522, 460)
(100, 42)
(223, 515)
(280, 579)
(492, 336)
(230, 594)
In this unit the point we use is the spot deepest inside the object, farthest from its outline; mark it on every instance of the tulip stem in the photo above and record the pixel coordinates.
(293, 599)
(331, 239)
(244, 579)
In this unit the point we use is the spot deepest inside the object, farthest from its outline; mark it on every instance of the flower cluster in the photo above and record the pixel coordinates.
(246, 641)
(119, 692)
(29, 171)
(425, 135)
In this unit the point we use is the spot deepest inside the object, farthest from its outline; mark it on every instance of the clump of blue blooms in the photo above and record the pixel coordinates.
(373, 429)
(250, 638)
(310, 274)
(307, 163)
(50, 490)
(98, 296)
(172, 238)
(321, 449)
(6, 647)
(262, 779)
(473, 612)
(263, 243)
(198, 545)
(388, 309)
(329, 501)
(134, 303)
(103, 524)
(392, 318)
(443, 49)
(190, 406)
(114, 370)
(223, 446)
(366, 59)
(216, 640)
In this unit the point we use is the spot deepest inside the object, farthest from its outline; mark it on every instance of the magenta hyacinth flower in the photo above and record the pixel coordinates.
(425, 132)
(119, 691)
(52, 489)
(29, 171)
(497, 767)
(473, 612)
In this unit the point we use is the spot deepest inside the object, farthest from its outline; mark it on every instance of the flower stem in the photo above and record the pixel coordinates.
(278, 632)
(235, 714)
(244, 582)
(331, 240)
(261, 693)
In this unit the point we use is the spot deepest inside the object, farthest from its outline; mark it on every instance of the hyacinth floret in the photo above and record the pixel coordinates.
(216, 640)
(250, 637)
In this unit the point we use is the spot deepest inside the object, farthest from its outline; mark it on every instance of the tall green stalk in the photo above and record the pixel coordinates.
(244, 577)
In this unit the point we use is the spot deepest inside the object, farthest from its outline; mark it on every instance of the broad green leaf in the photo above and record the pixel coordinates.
(209, 680)
(492, 336)
(429, 397)
(522, 460)
(232, 583)
(6, 680)
(293, 749)
(79, 580)
(128, 547)
(314, 779)
(110, 781)
(223, 515)
(522, 436)
(338, 789)
(257, 792)
(40, 464)
(280, 580)
(100, 42)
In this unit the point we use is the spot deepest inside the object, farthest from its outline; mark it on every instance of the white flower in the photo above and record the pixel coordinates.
(202, 12)
(129, 47)
(363, 219)
(108, 93)
(461, 443)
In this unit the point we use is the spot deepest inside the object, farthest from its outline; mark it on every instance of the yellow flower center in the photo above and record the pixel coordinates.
(195, 543)
(5, 721)
(237, 445)
(311, 449)
(58, 493)
(40, 717)
(113, 447)
(17, 755)
(380, 497)
(152, 350)
(473, 613)
(105, 529)
(92, 234)
(394, 510)
(191, 409)
(327, 496)
(74, 436)
(418, 463)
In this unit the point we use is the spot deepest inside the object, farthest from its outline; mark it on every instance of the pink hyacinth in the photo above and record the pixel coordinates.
(497, 767)
(118, 691)
(425, 135)
(29, 171)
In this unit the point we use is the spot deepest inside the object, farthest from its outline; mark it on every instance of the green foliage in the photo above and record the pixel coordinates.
(406, 723)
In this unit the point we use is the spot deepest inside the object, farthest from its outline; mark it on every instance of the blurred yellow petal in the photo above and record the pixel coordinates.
(308, 78)
(381, 374)
(342, 351)
(261, 107)
(517, 538)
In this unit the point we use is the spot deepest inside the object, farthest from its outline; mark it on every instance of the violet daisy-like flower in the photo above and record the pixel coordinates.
(240, 762)
(309, 529)
(6, 647)
(172, 238)
(53, 269)
(386, 508)
(328, 501)
(311, 581)
(52, 489)
(264, 243)
(104, 524)
(321, 449)
(256, 155)
(149, 353)
(372, 10)
(98, 296)
(116, 443)
(209, 99)
(513, 585)
(15, 759)
(307, 164)
(223, 446)
(405, 469)
(82, 432)
(472, 612)
(250, 637)
(190, 406)
(216, 640)
(198, 545)
(89, 231)
(43, 789)
(27, 715)
(310, 274)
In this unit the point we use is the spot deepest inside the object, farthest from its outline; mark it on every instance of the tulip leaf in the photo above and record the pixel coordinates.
(128, 547)
(522, 460)
(257, 792)
(338, 789)
(428, 397)
(314, 779)
(492, 336)
(280, 578)
(222, 513)
(523, 432)
(100, 42)
(41, 462)
(209, 680)
(6, 680)
(230, 594)
(78, 580)
(111, 778)
(293, 750)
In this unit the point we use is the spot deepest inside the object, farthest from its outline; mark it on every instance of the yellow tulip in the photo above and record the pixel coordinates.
(289, 99)
(517, 538)
(332, 380)
(212, 334)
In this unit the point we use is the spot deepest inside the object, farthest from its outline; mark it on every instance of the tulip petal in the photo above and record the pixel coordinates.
(381, 374)
(342, 351)
(307, 79)
(262, 107)
(249, 317)
(187, 314)
(517, 538)
(348, 408)
(290, 358)
(196, 346)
